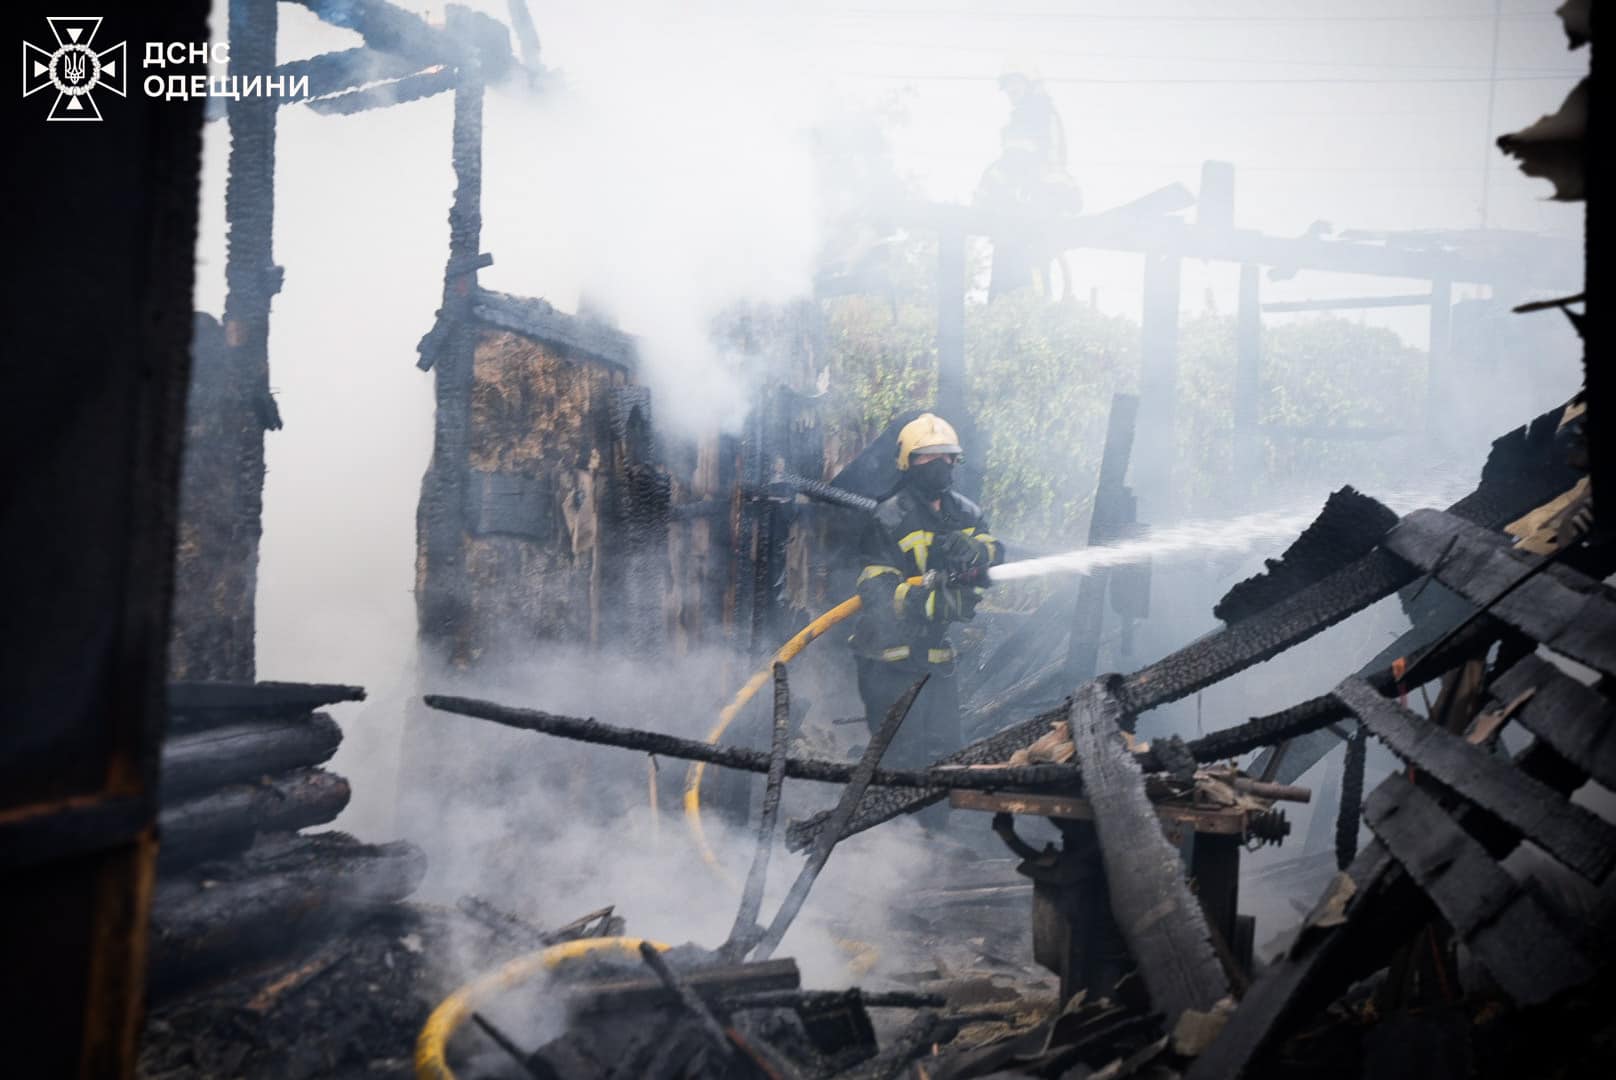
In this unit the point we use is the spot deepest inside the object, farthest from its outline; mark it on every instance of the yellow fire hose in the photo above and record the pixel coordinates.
(430, 1060)
(431, 1048)
(785, 655)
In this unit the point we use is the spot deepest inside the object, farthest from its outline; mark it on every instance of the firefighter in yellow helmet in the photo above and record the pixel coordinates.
(924, 529)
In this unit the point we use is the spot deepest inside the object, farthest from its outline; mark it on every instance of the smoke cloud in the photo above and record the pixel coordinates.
(668, 174)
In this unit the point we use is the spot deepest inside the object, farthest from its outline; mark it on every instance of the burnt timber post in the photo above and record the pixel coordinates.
(1114, 511)
(251, 279)
(1158, 387)
(442, 599)
(1248, 374)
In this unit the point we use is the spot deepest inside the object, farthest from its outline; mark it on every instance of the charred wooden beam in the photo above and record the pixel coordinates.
(1281, 625)
(1314, 714)
(689, 1000)
(1348, 813)
(522, 1058)
(720, 983)
(1573, 719)
(199, 704)
(1347, 528)
(757, 876)
(821, 491)
(1143, 231)
(1573, 835)
(1556, 606)
(1115, 509)
(836, 827)
(819, 999)
(939, 778)
(228, 819)
(1164, 926)
(1350, 303)
(235, 753)
(1497, 917)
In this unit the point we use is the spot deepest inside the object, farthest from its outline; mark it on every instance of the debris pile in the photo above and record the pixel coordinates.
(1155, 964)
(237, 884)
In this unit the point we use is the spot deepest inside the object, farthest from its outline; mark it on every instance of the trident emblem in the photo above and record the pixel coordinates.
(73, 68)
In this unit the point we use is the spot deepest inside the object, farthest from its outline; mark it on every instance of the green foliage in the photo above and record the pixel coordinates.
(1041, 376)
(1040, 379)
(882, 363)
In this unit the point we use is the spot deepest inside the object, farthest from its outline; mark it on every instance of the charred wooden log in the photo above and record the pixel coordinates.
(294, 889)
(234, 753)
(224, 821)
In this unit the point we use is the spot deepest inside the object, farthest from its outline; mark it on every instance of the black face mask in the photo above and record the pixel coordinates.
(933, 478)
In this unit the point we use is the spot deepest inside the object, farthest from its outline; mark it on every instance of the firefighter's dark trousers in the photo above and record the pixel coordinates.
(932, 728)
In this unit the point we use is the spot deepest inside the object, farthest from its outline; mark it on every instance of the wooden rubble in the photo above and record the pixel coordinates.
(237, 885)
(1440, 831)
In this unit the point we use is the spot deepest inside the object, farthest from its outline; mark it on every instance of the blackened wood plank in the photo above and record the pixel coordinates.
(1349, 526)
(1268, 633)
(258, 698)
(1500, 921)
(1559, 607)
(1565, 830)
(1575, 720)
(1164, 926)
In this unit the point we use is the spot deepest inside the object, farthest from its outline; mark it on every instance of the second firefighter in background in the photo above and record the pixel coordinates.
(923, 527)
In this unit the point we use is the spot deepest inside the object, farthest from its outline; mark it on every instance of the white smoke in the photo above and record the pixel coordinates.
(667, 177)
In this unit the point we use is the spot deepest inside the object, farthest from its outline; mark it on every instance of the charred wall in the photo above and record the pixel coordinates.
(561, 530)
(540, 493)
(221, 503)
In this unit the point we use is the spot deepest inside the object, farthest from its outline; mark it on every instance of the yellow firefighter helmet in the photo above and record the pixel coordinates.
(926, 434)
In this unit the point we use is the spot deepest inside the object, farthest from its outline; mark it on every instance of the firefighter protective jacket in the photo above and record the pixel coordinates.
(908, 624)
